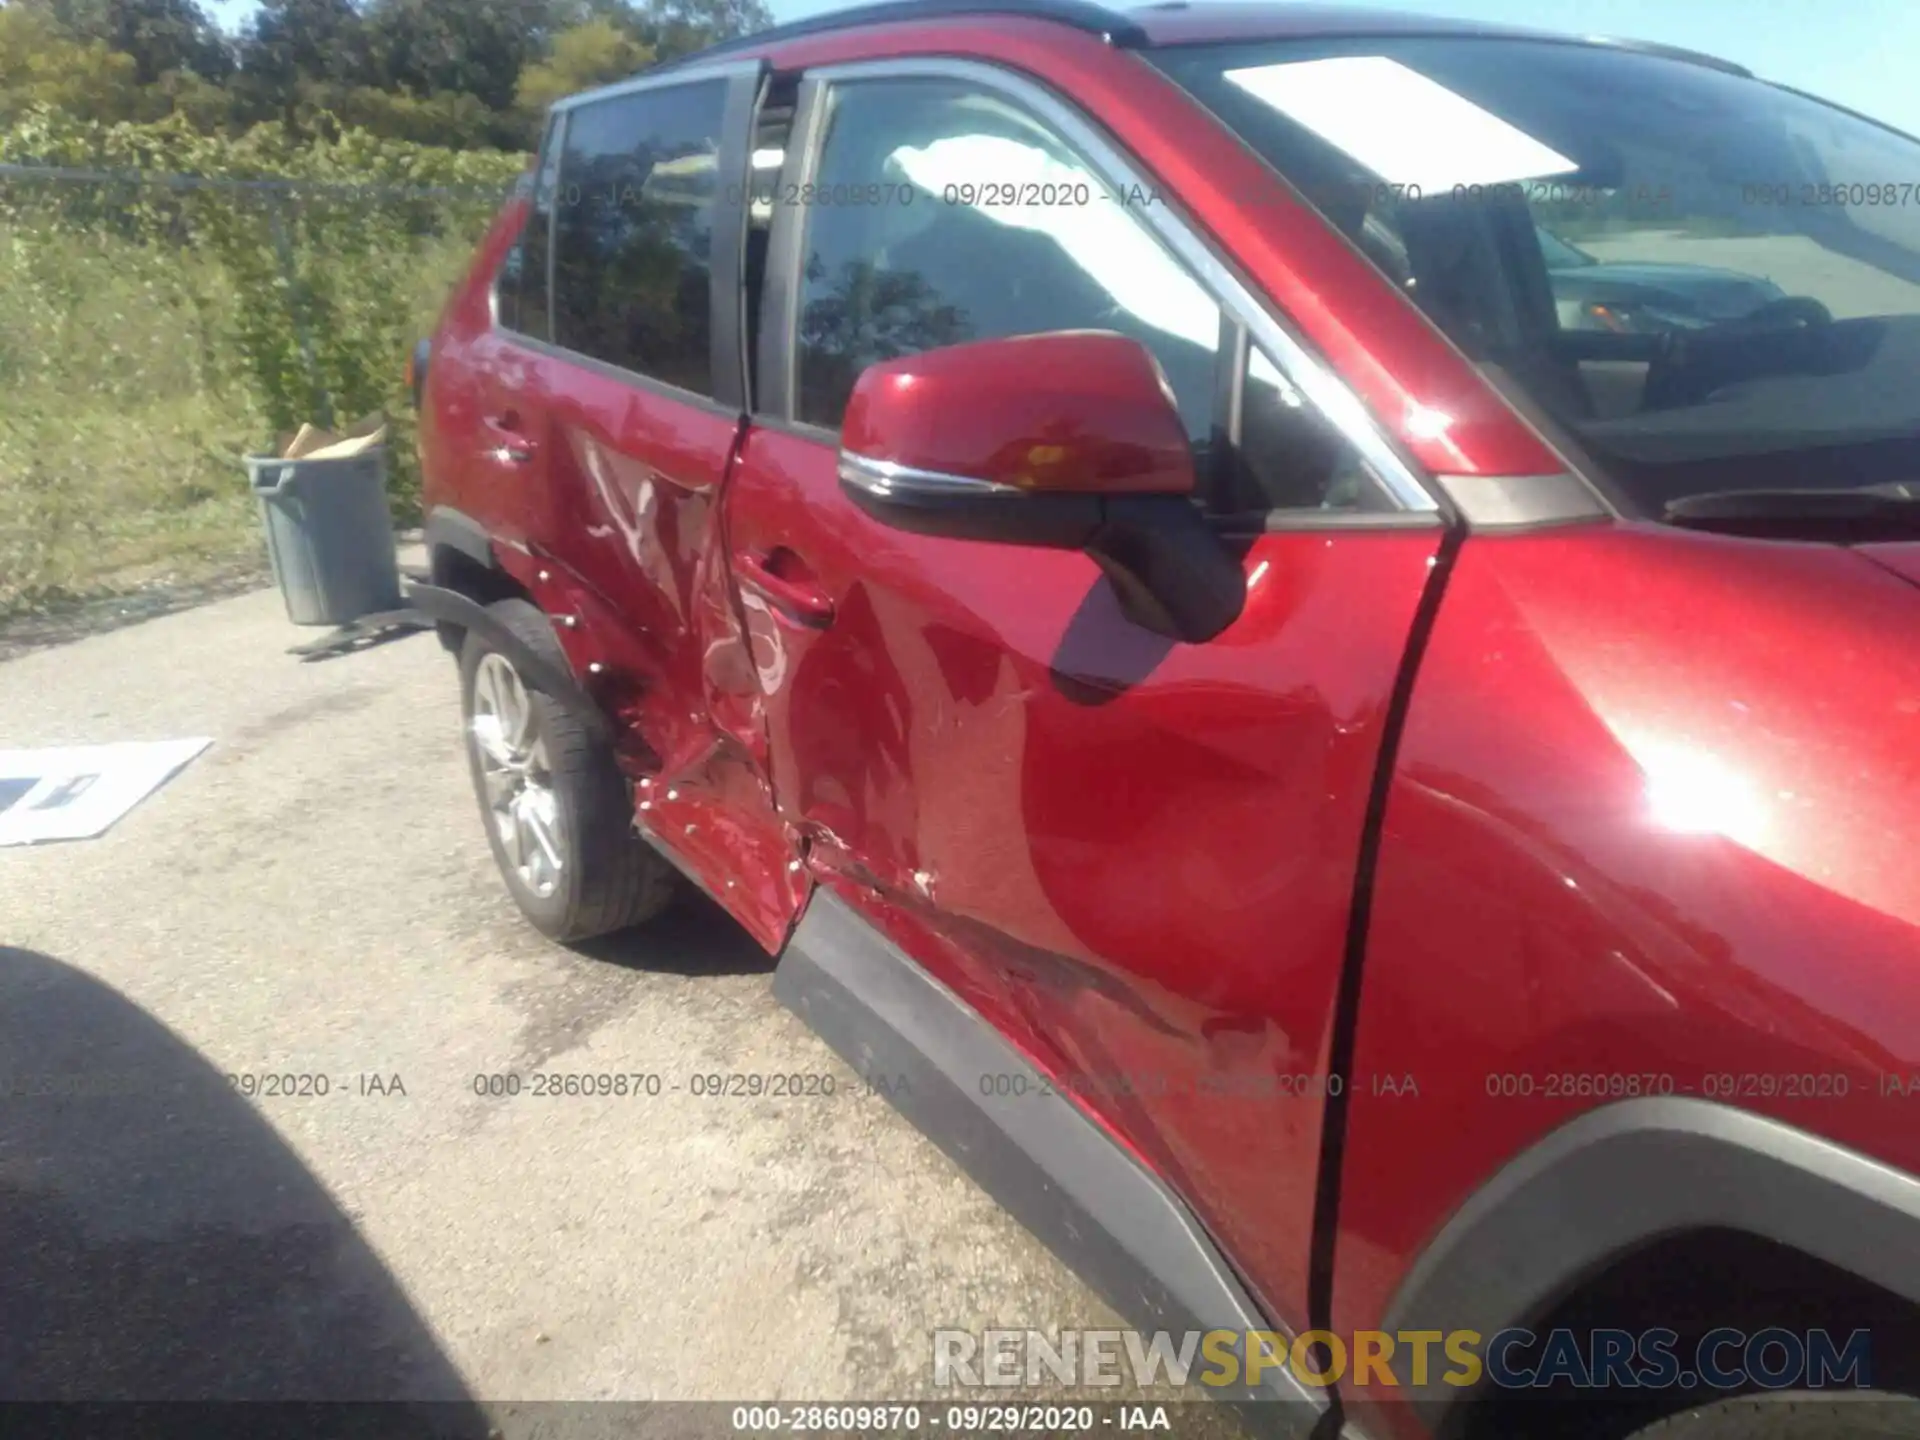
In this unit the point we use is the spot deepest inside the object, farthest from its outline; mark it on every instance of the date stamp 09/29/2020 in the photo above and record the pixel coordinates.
(1226, 1085)
(1072, 190)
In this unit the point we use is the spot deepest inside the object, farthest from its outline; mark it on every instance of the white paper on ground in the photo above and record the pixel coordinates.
(76, 793)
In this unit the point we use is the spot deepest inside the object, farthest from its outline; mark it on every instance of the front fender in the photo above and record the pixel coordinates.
(1623, 1175)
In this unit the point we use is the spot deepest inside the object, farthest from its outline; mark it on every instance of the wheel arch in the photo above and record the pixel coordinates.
(1625, 1176)
(461, 559)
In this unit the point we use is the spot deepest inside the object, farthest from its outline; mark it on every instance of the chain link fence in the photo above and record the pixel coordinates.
(157, 324)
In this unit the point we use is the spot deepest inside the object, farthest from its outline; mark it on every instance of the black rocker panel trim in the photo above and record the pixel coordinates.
(1063, 1177)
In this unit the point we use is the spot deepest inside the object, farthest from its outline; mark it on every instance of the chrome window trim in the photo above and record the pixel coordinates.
(665, 389)
(693, 75)
(1521, 502)
(1304, 370)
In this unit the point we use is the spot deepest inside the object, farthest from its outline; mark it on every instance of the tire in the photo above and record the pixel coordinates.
(1794, 1415)
(557, 811)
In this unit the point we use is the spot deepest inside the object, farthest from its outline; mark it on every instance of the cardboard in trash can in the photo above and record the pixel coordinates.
(323, 506)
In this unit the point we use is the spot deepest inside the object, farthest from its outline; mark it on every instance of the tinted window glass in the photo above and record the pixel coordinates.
(1713, 282)
(1289, 456)
(944, 214)
(635, 228)
(522, 286)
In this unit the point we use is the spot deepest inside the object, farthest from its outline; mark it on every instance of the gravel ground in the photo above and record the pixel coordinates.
(313, 897)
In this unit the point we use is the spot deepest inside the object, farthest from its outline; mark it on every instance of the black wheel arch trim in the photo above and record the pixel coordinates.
(1625, 1175)
(453, 608)
(1045, 1160)
(450, 529)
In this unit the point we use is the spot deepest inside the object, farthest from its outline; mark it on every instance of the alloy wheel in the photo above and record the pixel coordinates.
(516, 778)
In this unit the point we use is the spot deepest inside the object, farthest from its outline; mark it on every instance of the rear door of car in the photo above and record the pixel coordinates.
(480, 438)
(1134, 857)
(642, 389)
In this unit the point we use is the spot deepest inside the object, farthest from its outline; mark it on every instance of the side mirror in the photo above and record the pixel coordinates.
(1067, 440)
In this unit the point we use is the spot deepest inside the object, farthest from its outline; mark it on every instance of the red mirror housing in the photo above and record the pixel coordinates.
(1068, 440)
(1082, 412)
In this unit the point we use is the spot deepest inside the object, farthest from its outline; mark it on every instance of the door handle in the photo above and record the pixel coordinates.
(510, 446)
(799, 599)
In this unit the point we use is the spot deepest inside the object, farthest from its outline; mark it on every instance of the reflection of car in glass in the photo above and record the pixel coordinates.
(1355, 808)
(1638, 295)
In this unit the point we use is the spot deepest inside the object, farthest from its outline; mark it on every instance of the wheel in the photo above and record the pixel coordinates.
(557, 810)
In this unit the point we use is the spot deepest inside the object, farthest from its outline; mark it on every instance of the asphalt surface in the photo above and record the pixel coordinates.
(313, 897)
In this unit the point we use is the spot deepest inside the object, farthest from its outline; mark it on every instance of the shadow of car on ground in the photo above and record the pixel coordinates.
(159, 1242)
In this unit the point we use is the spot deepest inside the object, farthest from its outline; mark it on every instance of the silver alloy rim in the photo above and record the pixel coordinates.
(515, 778)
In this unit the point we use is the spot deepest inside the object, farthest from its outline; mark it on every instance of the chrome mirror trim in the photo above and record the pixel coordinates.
(889, 480)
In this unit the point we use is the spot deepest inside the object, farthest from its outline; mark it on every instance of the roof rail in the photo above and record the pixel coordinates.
(1113, 26)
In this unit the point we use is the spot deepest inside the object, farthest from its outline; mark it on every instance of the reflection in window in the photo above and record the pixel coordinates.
(981, 226)
(1714, 283)
(521, 290)
(631, 248)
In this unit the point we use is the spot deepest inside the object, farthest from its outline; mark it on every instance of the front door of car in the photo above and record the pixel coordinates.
(644, 414)
(1134, 856)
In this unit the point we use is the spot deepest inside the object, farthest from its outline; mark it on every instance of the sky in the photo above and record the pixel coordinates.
(1856, 52)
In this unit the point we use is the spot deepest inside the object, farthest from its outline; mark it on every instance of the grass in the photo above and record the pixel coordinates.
(99, 500)
(124, 415)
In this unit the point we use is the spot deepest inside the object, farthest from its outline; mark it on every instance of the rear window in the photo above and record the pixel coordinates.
(1712, 282)
(633, 232)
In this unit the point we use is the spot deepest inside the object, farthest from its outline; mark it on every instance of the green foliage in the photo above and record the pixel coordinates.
(672, 28)
(158, 35)
(222, 294)
(456, 73)
(41, 65)
(591, 53)
(292, 205)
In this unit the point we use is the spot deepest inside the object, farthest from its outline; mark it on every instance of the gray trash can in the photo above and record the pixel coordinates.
(329, 535)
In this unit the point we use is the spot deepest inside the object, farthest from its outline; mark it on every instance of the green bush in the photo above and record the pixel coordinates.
(211, 295)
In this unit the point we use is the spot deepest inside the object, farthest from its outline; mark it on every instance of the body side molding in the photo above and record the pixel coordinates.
(1629, 1173)
(1110, 1219)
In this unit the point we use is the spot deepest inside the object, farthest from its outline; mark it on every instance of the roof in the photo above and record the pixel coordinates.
(1176, 22)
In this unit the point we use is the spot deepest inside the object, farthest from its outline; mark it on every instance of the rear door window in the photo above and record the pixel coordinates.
(634, 232)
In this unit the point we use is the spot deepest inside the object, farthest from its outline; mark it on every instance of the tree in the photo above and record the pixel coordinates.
(294, 40)
(292, 46)
(159, 35)
(474, 47)
(673, 28)
(591, 53)
(41, 64)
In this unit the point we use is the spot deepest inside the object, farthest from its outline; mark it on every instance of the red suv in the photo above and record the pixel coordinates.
(1297, 625)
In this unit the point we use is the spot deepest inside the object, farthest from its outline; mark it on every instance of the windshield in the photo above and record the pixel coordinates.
(1558, 254)
(1713, 282)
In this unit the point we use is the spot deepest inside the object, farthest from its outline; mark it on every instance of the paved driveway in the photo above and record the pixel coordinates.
(313, 898)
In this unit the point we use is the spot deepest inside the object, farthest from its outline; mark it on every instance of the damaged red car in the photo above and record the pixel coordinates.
(1305, 617)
